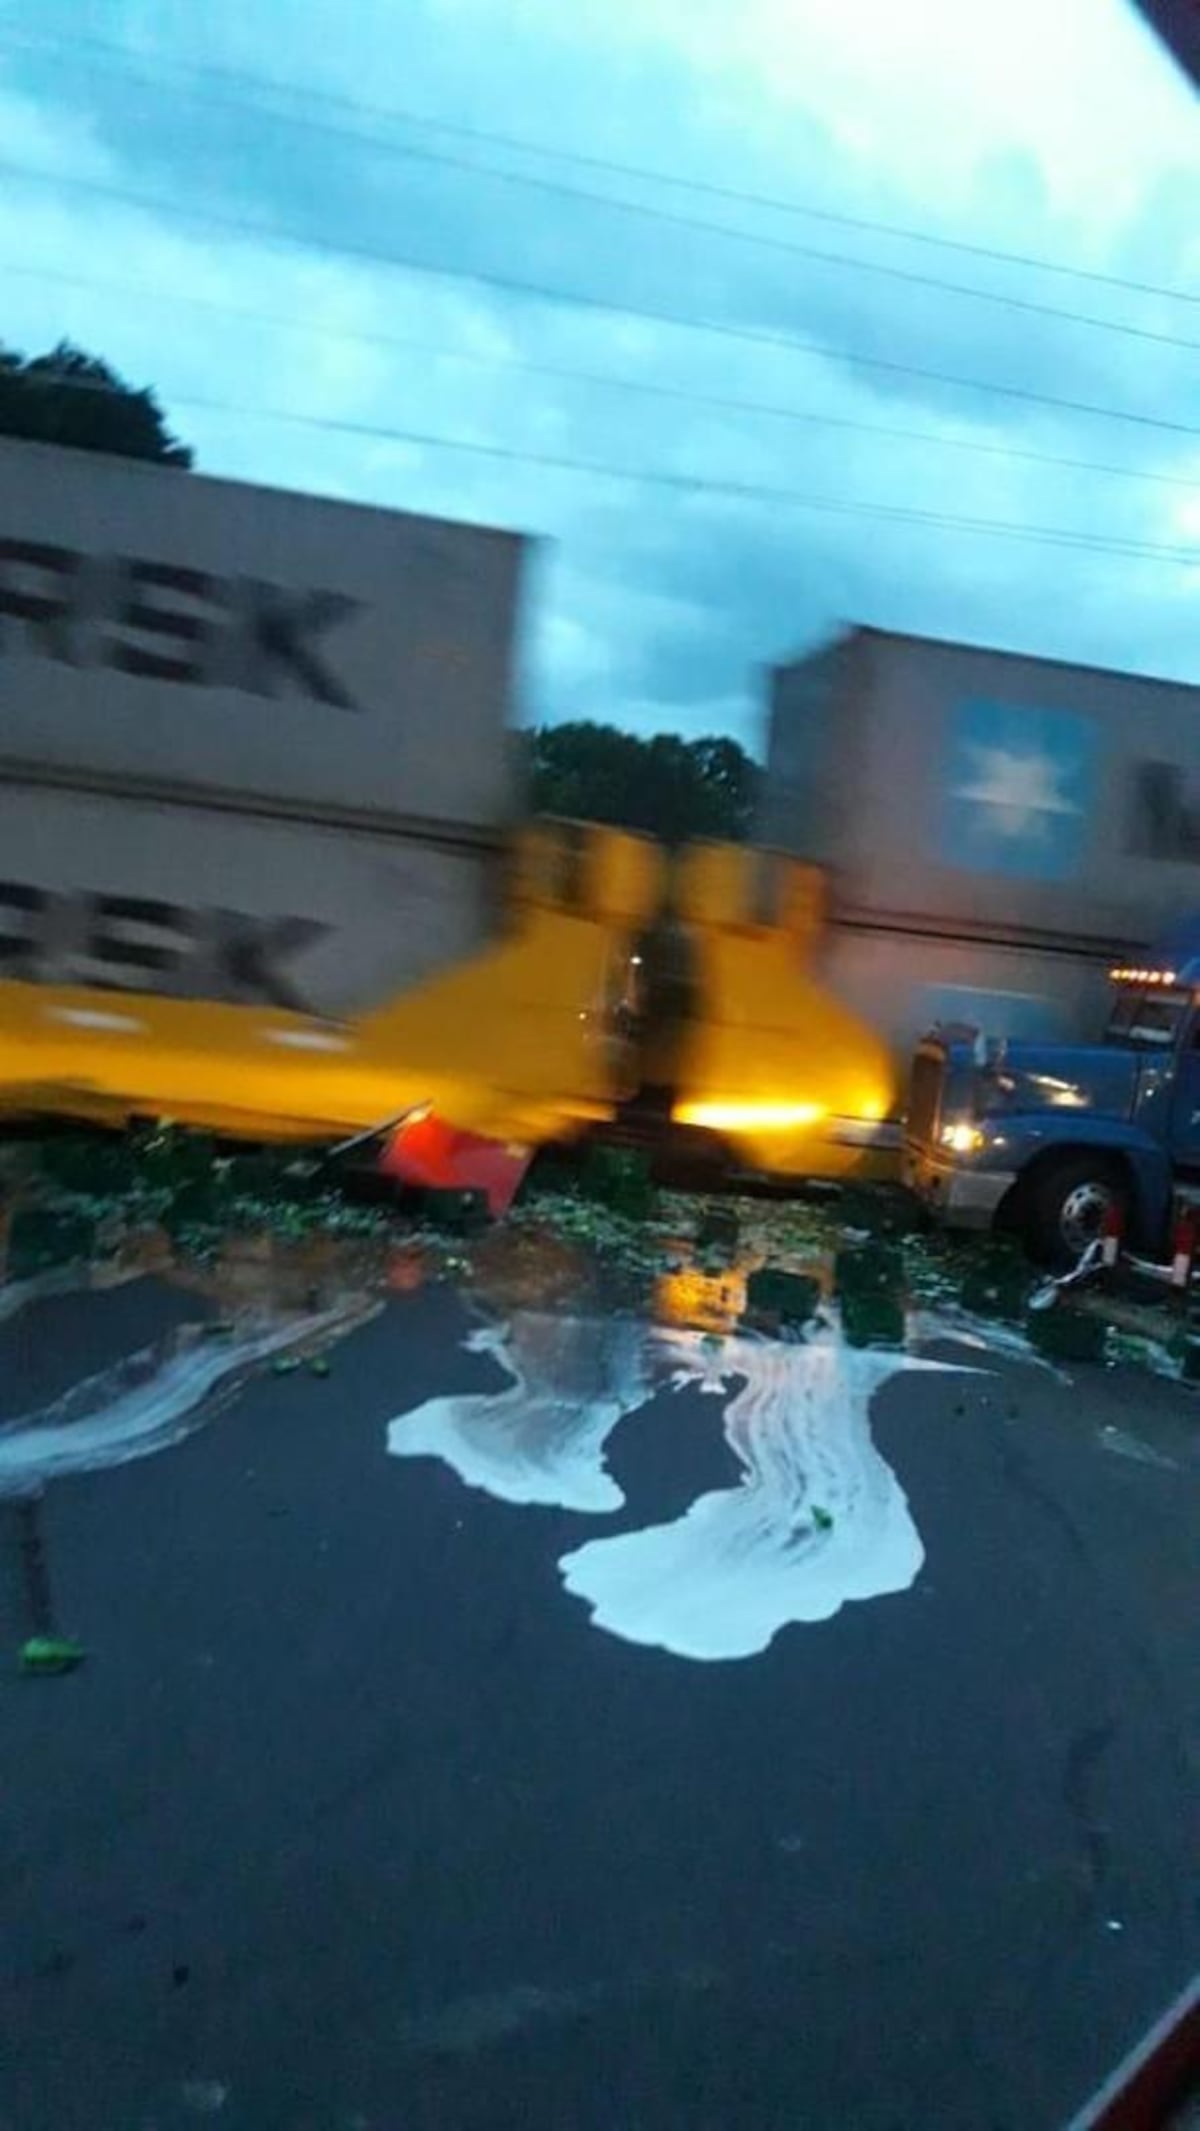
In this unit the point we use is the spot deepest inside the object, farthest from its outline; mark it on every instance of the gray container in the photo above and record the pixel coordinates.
(252, 743)
(902, 984)
(955, 791)
(198, 903)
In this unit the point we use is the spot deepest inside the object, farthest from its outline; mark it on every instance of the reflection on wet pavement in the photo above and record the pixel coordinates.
(565, 1291)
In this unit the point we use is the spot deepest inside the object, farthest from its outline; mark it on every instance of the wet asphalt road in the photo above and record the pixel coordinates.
(353, 1822)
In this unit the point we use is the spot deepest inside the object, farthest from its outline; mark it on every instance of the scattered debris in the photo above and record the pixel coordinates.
(868, 1281)
(82, 1207)
(619, 1178)
(1089, 1267)
(1138, 1350)
(996, 1282)
(456, 1212)
(1064, 1334)
(718, 1230)
(44, 1655)
(788, 1298)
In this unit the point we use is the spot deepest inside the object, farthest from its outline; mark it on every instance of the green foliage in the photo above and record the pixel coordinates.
(670, 787)
(69, 397)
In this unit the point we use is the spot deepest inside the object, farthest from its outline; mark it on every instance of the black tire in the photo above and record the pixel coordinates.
(1065, 1202)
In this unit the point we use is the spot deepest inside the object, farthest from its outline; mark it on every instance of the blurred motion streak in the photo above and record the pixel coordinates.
(513, 1045)
(773, 1061)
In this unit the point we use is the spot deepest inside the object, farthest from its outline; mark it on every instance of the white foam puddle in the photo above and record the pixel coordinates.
(818, 1519)
(145, 1403)
(542, 1438)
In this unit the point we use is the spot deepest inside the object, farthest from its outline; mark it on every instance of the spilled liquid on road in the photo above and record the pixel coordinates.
(587, 1325)
(817, 1519)
(542, 1438)
(272, 1304)
(144, 1403)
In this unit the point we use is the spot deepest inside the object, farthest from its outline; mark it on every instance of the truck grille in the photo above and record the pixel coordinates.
(924, 1098)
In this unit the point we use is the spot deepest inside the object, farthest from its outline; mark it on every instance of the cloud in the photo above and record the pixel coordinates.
(656, 605)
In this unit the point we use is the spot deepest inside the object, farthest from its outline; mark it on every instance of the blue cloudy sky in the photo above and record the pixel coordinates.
(341, 148)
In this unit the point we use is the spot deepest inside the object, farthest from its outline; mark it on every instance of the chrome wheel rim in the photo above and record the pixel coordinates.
(1082, 1216)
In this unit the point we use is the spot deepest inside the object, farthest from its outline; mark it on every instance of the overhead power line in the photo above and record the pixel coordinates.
(697, 484)
(1065, 536)
(607, 381)
(700, 188)
(274, 235)
(672, 218)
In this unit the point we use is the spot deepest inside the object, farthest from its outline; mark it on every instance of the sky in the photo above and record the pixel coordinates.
(671, 271)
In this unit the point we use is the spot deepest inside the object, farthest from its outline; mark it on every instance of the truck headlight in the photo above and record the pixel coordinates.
(962, 1138)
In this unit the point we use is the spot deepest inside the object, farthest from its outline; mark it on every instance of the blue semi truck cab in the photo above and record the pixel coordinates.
(1045, 1138)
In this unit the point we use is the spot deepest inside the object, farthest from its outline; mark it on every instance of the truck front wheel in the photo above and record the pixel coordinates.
(1066, 1203)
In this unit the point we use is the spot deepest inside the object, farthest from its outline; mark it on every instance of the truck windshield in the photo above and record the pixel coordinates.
(1150, 1019)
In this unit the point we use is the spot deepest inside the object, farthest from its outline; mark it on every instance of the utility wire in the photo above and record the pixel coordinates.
(670, 217)
(275, 235)
(701, 188)
(682, 395)
(749, 491)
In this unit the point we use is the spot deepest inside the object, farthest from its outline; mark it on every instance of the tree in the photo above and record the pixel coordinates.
(69, 397)
(673, 788)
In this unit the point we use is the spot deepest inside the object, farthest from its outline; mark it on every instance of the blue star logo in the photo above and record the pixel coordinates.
(1017, 790)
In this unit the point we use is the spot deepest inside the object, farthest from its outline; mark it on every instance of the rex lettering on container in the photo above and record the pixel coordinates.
(242, 729)
(163, 622)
